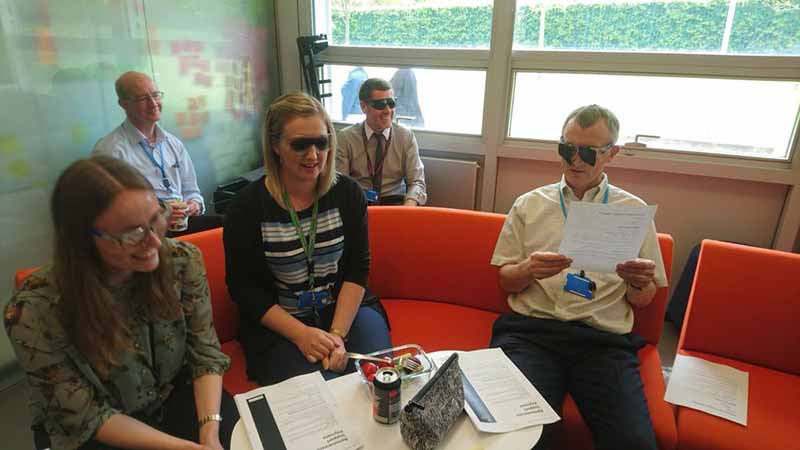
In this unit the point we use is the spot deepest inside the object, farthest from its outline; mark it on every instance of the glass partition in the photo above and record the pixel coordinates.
(58, 63)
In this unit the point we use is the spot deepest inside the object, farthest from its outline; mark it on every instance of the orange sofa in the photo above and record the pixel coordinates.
(430, 267)
(743, 312)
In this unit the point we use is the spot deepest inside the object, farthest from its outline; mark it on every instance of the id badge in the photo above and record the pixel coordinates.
(311, 299)
(371, 194)
(580, 285)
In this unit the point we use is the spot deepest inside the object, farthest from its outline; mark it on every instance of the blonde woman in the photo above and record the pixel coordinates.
(297, 253)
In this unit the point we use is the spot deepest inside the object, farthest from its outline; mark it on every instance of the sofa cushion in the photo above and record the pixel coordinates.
(435, 254)
(438, 326)
(226, 313)
(772, 419)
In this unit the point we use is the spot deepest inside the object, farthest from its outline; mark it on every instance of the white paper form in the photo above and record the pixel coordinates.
(497, 396)
(599, 236)
(301, 410)
(716, 389)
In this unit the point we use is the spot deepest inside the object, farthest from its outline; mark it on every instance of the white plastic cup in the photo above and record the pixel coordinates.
(177, 204)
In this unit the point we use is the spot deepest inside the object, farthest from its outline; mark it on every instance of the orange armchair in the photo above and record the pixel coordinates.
(743, 312)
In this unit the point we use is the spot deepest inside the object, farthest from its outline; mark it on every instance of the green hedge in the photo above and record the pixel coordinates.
(672, 26)
(466, 27)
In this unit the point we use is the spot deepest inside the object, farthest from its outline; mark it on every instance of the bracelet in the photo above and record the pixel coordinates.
(339, 333)
(209, 418)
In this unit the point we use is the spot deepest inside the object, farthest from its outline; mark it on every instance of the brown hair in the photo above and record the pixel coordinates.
(370, 85)
(281, 111)
(94, 323)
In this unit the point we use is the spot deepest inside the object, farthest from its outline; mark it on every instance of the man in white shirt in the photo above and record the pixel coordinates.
(140, 141)
(382, 156)
(578, 341)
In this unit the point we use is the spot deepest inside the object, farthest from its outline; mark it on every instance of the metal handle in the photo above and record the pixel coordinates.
(352, 355)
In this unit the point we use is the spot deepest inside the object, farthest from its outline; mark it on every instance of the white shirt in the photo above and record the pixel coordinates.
(127, 143)
(536, 223)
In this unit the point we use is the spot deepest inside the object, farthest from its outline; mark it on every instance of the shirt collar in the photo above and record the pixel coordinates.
(135, 136)
(593, 195)
(369, 131)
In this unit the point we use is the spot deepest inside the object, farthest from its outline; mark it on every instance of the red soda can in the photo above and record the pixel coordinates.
(386, 401)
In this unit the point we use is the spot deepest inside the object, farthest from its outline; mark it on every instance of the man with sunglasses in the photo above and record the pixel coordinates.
(381, 155)
(578, 341)
(158, 155)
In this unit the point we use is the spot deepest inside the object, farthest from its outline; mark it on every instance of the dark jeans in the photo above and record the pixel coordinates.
(179, 419)
(283, 359)
(599, 370)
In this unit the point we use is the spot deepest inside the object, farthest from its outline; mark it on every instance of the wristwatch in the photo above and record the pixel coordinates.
(209, 418)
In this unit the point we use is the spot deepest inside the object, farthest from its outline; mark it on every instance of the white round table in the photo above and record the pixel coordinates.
(352, 396)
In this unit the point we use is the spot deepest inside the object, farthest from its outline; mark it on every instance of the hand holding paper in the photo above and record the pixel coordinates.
(638, 272)
(546, 264)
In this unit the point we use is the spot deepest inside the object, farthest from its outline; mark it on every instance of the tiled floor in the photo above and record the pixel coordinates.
(15, 419)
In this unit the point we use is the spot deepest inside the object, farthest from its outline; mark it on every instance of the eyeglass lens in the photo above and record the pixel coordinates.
(302, 144)
(157, 95)
(157, 226)
(587, 154)
(381, 104)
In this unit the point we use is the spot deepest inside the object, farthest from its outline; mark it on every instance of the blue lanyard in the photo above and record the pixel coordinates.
(164, 179)
(564, 208)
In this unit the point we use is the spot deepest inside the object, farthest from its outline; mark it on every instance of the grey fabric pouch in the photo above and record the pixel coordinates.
(432, 412)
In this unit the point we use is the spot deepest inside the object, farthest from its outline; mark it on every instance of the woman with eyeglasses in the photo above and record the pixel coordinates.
(297, 254)
(116, 336)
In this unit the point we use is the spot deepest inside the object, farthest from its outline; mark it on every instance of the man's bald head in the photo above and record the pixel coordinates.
(141, 100)
(126, 81)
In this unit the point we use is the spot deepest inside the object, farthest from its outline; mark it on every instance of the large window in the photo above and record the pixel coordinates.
(405, 23)
(716, 78)
(715, 26)
(728, 117)
(697, 76)
(426, 98)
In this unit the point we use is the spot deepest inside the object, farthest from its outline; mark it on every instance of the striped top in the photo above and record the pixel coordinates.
(287, 261)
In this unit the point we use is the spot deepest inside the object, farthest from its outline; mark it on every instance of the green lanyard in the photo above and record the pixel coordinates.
(308, 247)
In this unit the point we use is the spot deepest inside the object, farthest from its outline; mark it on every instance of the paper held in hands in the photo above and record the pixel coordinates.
(297, 414)
(599, 236)
(497, 396)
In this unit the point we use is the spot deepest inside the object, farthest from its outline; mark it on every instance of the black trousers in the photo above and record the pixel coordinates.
(599, 370)
(178, 417)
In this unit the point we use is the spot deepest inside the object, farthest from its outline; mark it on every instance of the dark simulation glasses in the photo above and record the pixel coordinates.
(382, 103)
(302, 144)
(587, 154)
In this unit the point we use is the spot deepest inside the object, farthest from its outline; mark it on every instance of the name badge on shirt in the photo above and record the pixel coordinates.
(371, 194)
(311, 299)
(580, 285)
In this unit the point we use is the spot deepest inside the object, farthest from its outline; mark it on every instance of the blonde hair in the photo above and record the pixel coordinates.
(281, 111)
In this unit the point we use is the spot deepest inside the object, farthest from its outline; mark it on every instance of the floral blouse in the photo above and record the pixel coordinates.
(66, 392)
